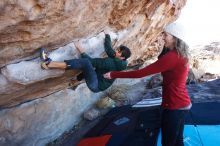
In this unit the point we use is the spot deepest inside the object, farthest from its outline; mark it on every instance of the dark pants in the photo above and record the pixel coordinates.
(86, 67)
(172, 127)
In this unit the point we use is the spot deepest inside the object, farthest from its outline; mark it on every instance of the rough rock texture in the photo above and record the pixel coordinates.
(27, 92)
(26, 25)
(205, 92)
(42, 120)
(30, 24)
(206, 60)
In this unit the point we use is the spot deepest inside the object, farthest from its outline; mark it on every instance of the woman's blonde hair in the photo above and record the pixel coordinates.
(182, 49)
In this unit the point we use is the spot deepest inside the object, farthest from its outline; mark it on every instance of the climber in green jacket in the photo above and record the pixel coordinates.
(93, 68)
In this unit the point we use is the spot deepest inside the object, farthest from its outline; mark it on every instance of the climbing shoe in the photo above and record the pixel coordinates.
(44, 57)
(44, 65)
(43, 54)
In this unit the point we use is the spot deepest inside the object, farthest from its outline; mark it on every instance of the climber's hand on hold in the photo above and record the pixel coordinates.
(79, 47)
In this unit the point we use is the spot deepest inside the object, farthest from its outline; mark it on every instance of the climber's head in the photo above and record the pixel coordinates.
(122, 52)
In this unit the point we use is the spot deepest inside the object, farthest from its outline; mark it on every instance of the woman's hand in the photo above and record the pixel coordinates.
(107, 75)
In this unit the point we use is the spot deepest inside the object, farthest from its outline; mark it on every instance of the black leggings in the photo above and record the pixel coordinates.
(172, 127)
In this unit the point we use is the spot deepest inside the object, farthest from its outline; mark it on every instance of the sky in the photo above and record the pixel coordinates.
(201, 20)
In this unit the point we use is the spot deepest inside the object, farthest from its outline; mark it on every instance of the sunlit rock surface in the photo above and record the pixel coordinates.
(37, 122)
(27, 72)
(27, 25)
(41, 121)
(206, 59)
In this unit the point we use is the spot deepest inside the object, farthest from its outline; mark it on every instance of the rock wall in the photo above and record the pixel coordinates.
(29, 24)
(27, 92)
(206, 59)
(26, 25)
(40, 121)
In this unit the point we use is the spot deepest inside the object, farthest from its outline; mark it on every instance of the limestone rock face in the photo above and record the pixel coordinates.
(26, 25)
(206, 60)
(39, 121)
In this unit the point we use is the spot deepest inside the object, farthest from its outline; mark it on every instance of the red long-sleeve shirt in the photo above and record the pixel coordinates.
(174, 70)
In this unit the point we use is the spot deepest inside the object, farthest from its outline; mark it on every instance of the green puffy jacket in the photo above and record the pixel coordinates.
(104, 65)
